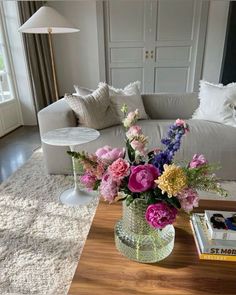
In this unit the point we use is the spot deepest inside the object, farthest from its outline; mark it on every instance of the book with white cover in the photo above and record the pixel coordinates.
(221, 224)
(207, 245)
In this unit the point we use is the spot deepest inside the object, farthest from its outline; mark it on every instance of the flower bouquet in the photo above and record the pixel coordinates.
(152, 187)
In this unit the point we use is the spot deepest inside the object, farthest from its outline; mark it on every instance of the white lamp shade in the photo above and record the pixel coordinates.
(47, 19)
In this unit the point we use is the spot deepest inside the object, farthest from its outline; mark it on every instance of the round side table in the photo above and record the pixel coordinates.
(71, 137)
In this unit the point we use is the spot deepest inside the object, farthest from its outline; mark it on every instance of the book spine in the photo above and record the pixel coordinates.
(217, 257)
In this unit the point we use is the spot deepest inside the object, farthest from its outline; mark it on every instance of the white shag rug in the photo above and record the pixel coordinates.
(41, 240)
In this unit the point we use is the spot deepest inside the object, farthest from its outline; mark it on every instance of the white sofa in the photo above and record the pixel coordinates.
(216, 141)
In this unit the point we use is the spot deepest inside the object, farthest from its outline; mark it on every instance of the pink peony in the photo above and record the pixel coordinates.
(142, 178)
(138, 146)
(110, 154)
(197, 161)
(108, 188)
(88, 180)
(188, 199)
(119, 169)
(133, 131)
(159, 215)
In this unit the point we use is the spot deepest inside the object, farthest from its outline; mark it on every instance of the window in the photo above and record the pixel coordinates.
(6, 89)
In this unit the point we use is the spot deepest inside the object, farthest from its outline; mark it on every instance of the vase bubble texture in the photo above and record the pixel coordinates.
(137, 240)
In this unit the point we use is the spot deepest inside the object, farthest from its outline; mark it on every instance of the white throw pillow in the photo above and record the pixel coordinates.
(217, 103)
(130, 96)
(82, 90)
(93, 110)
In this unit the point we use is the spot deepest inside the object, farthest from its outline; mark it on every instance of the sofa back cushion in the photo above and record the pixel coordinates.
(170, 105)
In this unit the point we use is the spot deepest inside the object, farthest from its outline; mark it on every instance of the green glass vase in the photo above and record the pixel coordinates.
(136, 240)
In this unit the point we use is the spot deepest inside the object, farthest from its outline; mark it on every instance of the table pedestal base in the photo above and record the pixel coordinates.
(74, 197)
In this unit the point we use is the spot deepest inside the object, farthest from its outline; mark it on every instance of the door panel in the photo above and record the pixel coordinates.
(126, 20)
(123, 55)
(171, 79)
(124, 76)
(175, 20)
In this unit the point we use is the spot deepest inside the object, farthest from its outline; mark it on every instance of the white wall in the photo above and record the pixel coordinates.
(215, 39)
(76, 54)
(19, 61)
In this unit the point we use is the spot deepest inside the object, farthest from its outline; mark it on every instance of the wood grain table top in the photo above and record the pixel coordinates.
(103, 270)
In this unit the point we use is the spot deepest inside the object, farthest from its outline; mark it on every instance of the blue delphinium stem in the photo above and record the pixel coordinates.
(172, 143)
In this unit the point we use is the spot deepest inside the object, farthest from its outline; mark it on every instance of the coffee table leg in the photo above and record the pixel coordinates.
(75, 196)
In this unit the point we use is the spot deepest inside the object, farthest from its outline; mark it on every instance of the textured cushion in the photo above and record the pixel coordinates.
(217, 103)
(82, 90)
(130, 96)
(93, 110)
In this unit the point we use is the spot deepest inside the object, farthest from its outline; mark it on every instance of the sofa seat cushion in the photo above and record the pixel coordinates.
(216, 141)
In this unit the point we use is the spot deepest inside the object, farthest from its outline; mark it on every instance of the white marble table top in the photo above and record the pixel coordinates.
(70, 136)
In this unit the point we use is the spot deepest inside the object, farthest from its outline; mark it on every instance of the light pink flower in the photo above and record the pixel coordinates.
(188, 199)
(197, 161)
(110, 154)
(180, 122)
(142, 178)
(119, 169)
(131, 118)
(133, 131)
(108, 188)
(88, 180)
(138, 146)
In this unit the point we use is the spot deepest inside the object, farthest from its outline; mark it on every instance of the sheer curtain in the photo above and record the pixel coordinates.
(38, 58)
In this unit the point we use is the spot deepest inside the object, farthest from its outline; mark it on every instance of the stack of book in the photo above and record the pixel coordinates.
(215, 234)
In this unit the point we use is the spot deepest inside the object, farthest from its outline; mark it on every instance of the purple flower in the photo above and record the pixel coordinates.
(160, 215)
(188, 199)
(172, 143)
(142, 178)
(88, 180)
(197, 161)
(108, 188)
(110, 154)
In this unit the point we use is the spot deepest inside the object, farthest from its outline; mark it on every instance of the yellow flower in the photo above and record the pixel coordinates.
(172, 180)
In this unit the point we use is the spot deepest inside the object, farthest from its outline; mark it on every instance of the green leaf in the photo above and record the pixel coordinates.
(131, 151)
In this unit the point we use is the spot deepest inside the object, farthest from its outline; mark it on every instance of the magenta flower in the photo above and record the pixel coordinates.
(197, 161)
(160, 215)
(188, 199)
(108, 188)
(142, 178)
(119, 169)
(88, 180)
(110, 154)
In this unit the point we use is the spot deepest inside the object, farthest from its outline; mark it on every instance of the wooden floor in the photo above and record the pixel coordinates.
(16, 148)
(102, 270)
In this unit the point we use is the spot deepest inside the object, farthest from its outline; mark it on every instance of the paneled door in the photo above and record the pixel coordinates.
(160, 43)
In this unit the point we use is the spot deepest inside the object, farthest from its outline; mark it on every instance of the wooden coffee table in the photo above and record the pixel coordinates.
(103, 270)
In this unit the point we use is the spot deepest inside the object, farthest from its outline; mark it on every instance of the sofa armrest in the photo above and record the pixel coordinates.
(56, 115)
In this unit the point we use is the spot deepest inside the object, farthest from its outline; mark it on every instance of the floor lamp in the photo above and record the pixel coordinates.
(47, 20)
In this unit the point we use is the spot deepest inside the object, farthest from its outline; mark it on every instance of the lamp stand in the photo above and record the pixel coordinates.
(53, 63)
